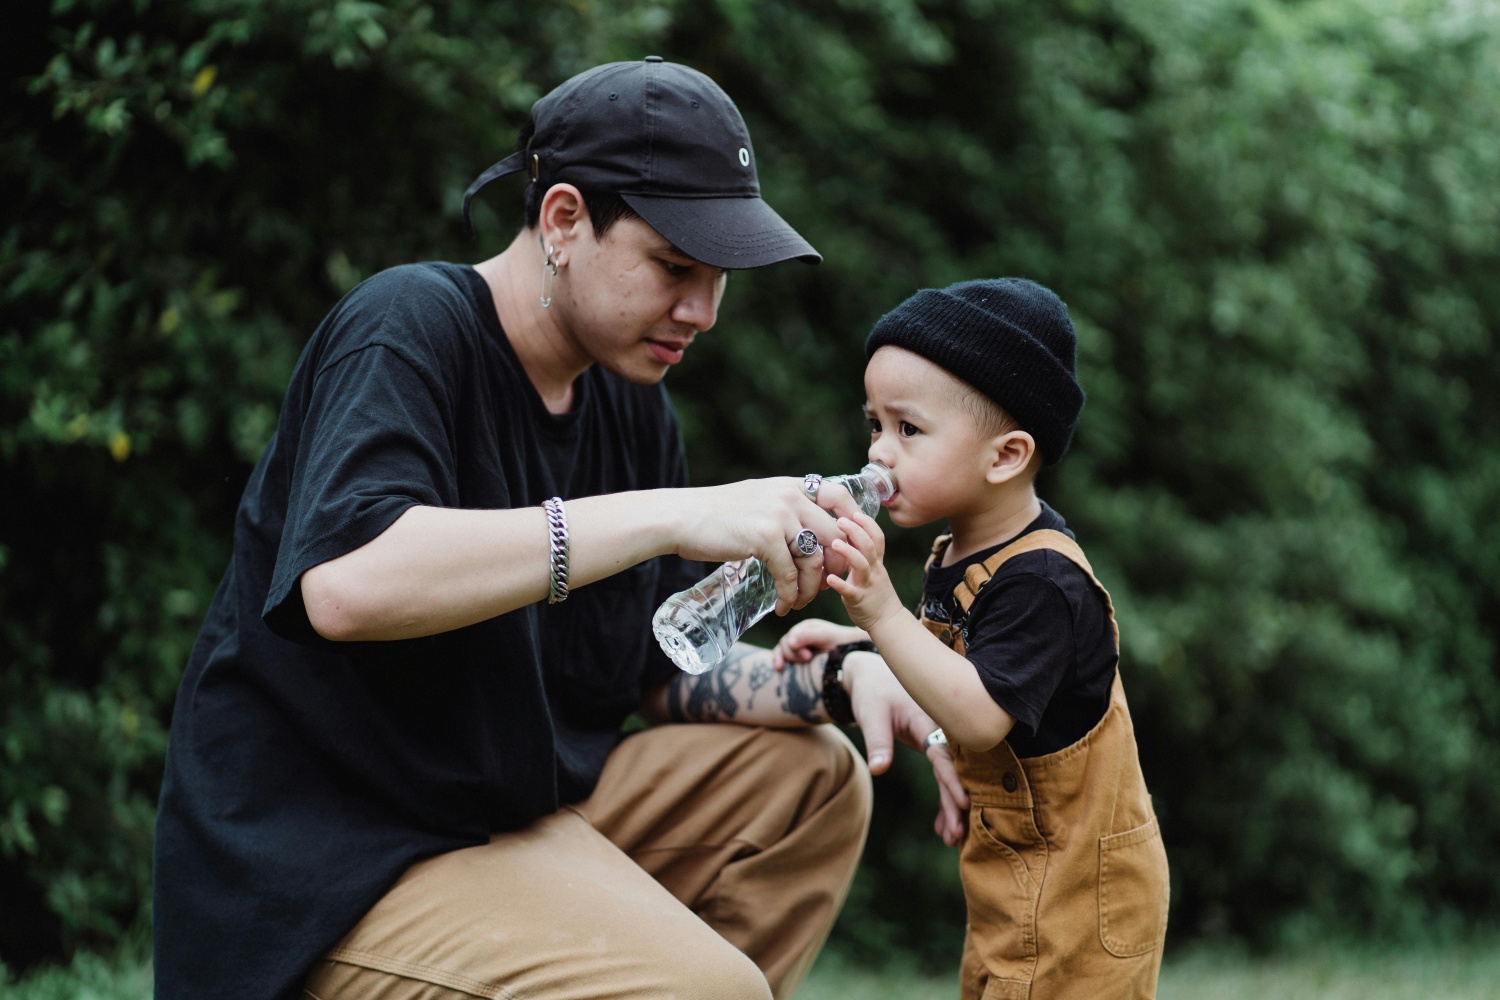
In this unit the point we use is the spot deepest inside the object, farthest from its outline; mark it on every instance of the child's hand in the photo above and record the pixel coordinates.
(867, 591)
(807, 638)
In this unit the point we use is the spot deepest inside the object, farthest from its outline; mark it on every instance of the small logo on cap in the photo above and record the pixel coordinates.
(744, 157)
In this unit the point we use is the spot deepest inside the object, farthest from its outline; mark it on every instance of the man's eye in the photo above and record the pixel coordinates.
(907, 430)
(675, 270)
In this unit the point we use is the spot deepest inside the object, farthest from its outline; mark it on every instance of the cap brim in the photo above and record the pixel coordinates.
(735, 233)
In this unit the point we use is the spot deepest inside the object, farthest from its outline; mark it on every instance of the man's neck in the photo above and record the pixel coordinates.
(549, 357)
(1016, 507)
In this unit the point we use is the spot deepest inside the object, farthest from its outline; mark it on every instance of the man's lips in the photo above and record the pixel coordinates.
(668, 352)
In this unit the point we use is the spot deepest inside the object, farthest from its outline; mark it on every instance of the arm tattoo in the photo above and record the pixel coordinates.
(709, 696)
(801, 690)
(728, 692)
(760, 676)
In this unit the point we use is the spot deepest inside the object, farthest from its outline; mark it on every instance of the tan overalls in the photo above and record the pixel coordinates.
(1063, 868)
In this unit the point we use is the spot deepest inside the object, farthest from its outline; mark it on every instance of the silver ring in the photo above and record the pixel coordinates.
(806, 541)
(811, 484)
(936, 738)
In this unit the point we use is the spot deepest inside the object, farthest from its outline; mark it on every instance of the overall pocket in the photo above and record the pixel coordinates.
(1001, 870)
(1133, 890)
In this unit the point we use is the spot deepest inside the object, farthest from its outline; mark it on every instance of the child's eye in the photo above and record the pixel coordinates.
(874, 425)
(907, 430)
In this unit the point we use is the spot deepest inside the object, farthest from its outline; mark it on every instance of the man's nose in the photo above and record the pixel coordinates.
(699, 305)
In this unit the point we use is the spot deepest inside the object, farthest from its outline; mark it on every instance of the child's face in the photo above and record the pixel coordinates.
(921, 430)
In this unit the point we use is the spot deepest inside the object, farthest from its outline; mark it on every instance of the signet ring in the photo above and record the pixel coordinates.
(806, 541)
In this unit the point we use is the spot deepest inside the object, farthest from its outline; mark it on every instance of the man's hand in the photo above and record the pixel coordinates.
(761, 518)
(885, 713)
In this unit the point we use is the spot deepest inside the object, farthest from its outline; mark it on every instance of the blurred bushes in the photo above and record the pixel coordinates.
(1276, 225)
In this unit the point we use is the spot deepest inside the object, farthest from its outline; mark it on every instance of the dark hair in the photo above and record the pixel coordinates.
(605, 207)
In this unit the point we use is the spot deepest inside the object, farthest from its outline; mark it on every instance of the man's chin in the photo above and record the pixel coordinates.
(638, 372)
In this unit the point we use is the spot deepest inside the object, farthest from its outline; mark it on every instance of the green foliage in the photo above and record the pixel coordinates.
(124, 973)
(1275, 224)
(1296, 514)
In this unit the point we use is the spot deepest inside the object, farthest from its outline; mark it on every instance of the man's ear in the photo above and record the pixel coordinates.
(563, 217)
(1012, 454)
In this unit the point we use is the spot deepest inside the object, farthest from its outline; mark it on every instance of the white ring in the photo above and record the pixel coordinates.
(936, 738)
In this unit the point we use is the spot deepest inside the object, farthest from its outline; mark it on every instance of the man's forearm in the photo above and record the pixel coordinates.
(437, 568)
(745, 688)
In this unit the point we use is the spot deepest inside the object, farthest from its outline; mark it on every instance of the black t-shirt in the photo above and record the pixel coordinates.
(1039, 634)
(304, 775)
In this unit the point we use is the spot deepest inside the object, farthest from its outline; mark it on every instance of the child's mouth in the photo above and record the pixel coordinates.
(890, 499)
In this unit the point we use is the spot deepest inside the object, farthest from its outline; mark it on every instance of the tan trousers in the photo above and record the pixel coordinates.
(710, 863)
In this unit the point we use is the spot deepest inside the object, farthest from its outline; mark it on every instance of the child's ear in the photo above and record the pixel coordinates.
(1011, 456)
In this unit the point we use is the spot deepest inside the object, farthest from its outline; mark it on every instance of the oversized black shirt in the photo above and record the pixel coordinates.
(303, 776)
(1040, 636)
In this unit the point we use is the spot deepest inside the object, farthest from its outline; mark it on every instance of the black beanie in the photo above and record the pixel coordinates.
(1009, 338)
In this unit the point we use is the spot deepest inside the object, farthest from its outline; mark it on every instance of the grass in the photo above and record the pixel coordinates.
(1461, 972)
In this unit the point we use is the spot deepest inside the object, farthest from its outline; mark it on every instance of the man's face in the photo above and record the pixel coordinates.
(922, 432)
(633, 302)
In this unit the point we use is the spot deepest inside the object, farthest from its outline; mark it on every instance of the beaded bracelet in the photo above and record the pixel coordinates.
(835, 699)
(557, 527)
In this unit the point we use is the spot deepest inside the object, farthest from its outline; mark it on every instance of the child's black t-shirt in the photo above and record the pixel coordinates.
(1039, 634)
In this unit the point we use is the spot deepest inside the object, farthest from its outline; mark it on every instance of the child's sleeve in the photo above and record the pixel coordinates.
(1021, 641)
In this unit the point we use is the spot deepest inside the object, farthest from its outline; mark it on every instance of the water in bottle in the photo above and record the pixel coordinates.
(696, 627)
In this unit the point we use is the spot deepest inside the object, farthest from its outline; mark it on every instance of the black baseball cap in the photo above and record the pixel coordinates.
(671, 143)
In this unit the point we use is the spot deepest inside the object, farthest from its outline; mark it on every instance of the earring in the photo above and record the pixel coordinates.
(549, 271)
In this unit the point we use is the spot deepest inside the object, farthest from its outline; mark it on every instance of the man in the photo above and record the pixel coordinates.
(396, 765)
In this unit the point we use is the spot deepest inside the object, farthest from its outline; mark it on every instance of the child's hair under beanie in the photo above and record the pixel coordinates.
(1009, 338)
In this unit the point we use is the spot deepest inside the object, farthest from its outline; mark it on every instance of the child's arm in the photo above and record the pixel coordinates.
(944, 683)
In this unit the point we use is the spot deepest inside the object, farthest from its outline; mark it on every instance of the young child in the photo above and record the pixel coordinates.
(970, 390)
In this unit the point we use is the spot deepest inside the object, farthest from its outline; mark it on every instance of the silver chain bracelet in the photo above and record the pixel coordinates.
(557, 527)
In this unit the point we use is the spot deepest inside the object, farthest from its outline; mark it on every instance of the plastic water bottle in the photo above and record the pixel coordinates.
(696, 627)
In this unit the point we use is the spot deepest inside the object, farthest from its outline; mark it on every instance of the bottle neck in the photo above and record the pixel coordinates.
(878, 481)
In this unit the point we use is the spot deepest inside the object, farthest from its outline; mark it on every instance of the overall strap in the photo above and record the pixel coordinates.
(977, 575)
(938, 545)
